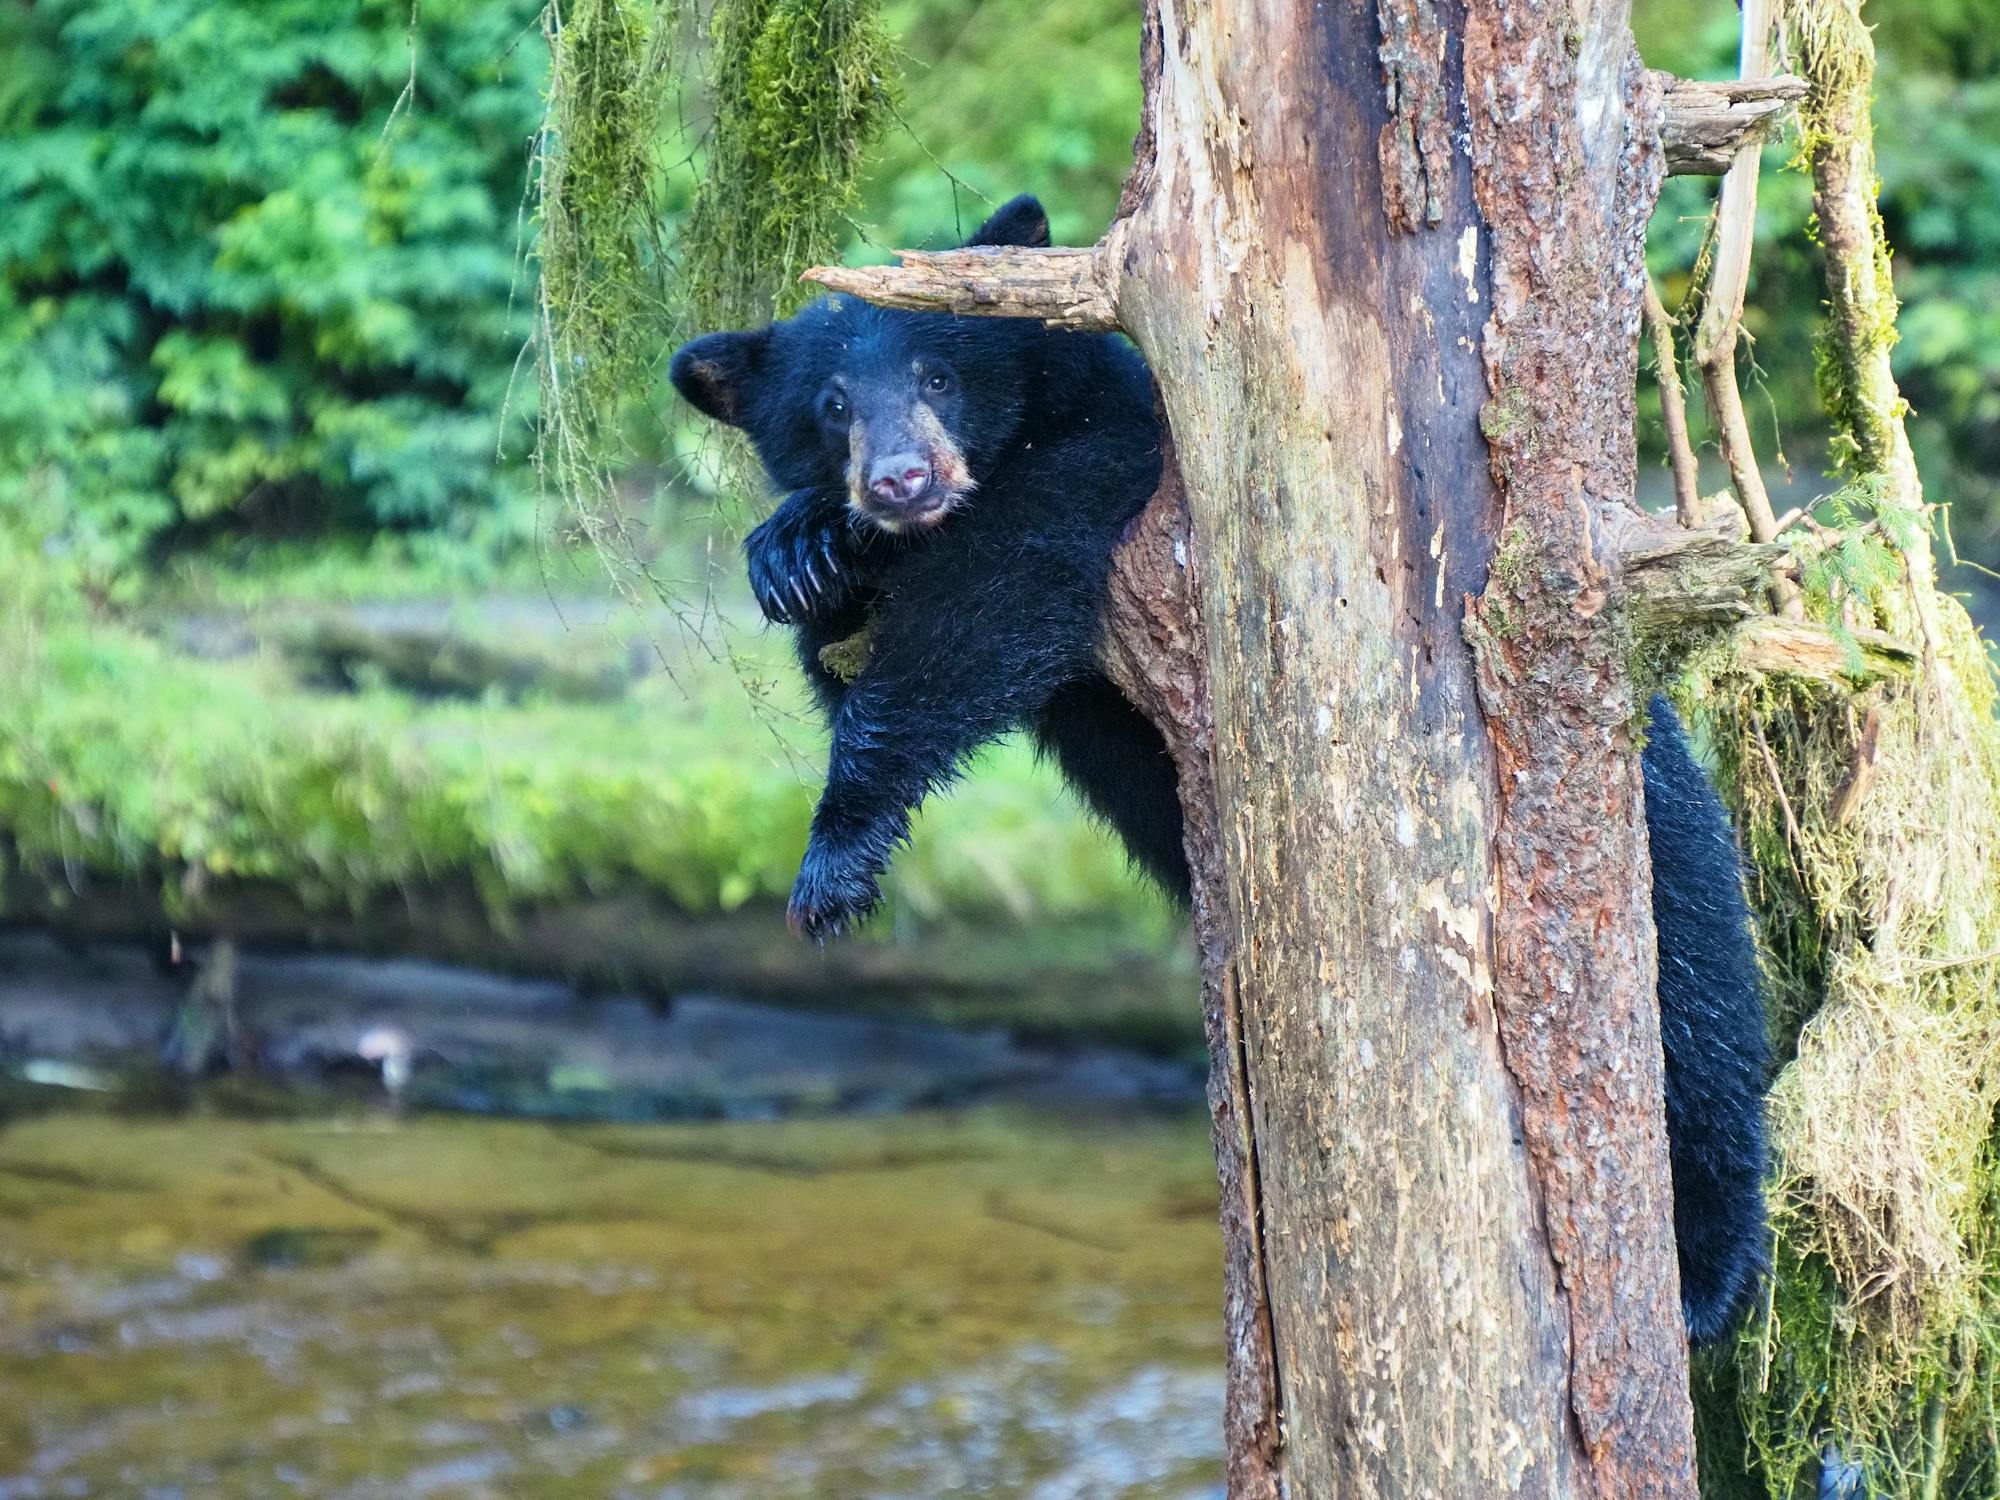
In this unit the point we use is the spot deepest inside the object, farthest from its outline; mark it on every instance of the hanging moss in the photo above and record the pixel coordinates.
(1837, 147)
(1880, 923)
(797, 90)
(801, 88)
(601, 311)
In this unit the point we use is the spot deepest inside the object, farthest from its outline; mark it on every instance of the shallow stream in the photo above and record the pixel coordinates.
(1019, 1298)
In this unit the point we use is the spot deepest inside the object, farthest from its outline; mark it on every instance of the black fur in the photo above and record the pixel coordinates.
(985, 612)
(983, 624)
(1711, 1031)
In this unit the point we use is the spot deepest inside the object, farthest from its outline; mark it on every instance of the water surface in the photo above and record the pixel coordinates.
(999, 1302)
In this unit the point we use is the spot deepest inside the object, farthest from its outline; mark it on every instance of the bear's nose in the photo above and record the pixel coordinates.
(899, 478)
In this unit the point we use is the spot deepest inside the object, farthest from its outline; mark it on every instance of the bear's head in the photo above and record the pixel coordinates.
(904, 410)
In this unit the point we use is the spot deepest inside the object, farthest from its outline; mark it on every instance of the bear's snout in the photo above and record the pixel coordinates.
(899, 479)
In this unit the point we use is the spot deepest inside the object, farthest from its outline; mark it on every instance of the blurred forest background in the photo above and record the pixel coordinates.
(266, 434)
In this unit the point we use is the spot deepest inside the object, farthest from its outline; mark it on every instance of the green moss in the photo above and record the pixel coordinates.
(1514, 559)
(1877, 879)
(602, 292)
(1880, 1331)
(798, 90)
(801, 88)
(1505, 415)
(1501, 618)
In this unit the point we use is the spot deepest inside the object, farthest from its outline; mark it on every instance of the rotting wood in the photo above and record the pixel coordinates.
(1800, 648)
(1708, 123)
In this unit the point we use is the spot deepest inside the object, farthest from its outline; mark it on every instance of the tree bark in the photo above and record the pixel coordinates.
(1438, 943)
(1309, 270)
(1385, 263)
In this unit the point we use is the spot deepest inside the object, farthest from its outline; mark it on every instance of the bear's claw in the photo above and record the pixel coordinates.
(827, 900)
(796, 570)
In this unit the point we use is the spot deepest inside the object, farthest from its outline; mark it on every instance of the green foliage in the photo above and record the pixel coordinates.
(1854, 555)
(1005, 97)
(1937, 118)
(1874, 874)
(1935, 143)
(257, 260)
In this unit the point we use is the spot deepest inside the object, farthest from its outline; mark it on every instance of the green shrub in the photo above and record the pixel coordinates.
(258, 262)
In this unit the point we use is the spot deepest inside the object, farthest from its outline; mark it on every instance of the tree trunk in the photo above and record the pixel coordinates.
(1310, 267)
(1386, 265)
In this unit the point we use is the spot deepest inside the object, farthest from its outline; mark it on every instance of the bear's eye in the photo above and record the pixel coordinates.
(937, 380)
(836, 409)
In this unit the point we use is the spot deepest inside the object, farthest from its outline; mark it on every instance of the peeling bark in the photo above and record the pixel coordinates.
(1415, 145)
(1566, 170)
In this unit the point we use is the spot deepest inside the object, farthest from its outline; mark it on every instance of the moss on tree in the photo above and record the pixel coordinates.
(1872, 822)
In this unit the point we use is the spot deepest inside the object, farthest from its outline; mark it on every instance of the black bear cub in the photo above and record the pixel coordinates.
(957, 488)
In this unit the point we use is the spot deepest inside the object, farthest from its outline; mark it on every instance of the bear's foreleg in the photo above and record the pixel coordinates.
(970, 642)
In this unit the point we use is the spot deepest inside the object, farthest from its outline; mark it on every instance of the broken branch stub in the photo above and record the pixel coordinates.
(1064, 288)
(1708, 123)
(1705, 125)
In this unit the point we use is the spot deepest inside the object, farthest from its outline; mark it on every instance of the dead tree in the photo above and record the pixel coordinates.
(1386, 265)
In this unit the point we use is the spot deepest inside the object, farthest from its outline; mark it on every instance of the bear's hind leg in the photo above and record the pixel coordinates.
(1712, 1033)
(1119, 765)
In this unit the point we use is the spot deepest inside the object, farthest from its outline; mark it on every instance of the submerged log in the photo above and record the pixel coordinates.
(429, 663)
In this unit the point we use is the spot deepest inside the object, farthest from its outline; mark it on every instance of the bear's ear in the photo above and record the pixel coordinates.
(714, 372)
(1018, 221)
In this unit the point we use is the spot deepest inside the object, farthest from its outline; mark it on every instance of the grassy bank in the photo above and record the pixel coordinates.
(124, 757)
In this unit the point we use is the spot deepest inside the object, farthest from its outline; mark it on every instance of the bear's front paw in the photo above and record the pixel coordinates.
(831, 895)
(798, 568)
